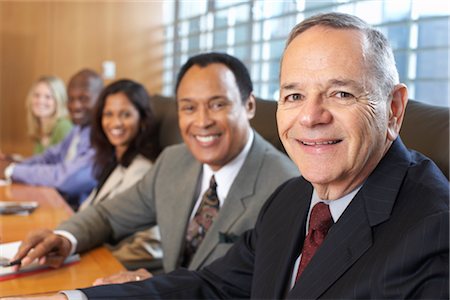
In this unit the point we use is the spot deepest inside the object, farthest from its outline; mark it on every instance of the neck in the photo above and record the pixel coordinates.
(120, 151)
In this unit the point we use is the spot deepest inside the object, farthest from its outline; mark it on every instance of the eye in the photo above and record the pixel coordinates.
(187, 108)
(344, 95)
(217, 105)
(85, 99)
(107, 114)
(126, 114)
(293, 97)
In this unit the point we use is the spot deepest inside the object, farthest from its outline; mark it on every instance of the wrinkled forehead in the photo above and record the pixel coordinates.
(325, 51)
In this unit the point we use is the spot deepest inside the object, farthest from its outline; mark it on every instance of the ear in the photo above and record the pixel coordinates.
(250, 106)
(397, 108)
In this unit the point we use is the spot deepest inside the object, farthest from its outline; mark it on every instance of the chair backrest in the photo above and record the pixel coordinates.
(425, 127)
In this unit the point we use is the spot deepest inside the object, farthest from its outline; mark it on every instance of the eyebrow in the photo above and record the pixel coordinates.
(289, 86)
(344, 82)
(331, 82)
(215, 97)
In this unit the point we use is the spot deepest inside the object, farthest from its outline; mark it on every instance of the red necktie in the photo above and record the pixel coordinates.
(202, 221)
(320, 222)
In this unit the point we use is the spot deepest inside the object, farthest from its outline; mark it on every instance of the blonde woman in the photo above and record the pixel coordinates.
(46, 105)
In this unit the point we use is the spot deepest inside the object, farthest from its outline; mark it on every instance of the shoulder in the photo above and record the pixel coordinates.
(64, 123)
(281, 201)
(176, 152)
(140, 162)
(425, 184)
(62, 128)
(272, 158)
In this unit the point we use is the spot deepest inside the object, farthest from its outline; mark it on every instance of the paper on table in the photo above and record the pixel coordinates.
(8, 250)
(17, 208)
(4, 182)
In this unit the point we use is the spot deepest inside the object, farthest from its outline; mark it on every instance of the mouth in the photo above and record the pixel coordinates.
(116, 132)
(77, 115)
(320, 143)
(207, 139)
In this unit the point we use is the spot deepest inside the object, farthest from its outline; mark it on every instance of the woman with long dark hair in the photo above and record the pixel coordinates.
(123, 136)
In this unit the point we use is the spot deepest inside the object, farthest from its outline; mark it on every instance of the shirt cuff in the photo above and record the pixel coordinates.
(74, 295)
(70, 237)
(9, 171)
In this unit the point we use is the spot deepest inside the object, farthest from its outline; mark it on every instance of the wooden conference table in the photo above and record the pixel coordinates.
(51, 211)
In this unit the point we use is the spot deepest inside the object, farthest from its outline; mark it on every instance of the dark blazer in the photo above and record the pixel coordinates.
(392, 241)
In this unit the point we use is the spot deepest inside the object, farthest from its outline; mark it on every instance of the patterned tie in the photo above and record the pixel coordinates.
(202, 221)
(320, 222)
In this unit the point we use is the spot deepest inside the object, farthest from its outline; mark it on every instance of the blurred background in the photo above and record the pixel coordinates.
(149, 40)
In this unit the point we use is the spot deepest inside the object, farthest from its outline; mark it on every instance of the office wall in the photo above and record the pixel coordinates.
(61, 37)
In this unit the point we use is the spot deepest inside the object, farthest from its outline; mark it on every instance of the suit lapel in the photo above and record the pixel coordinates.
(182, 199)
(234, 206)
(351, 236)
(294, 237)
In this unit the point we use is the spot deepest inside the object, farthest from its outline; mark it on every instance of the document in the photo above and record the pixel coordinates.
(7, 252)
(17, 208)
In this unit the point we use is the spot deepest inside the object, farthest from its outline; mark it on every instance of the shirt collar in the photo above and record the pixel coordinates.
(338, 206)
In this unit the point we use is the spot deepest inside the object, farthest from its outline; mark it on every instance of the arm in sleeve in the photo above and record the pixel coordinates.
(427, 247)
(73, 177)
(53, 154)
(51, 169)
(110, 221)
(229, 277)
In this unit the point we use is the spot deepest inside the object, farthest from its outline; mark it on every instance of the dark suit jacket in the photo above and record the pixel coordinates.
(392, 241)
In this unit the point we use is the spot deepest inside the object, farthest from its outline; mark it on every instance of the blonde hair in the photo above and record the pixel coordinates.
(59, 94)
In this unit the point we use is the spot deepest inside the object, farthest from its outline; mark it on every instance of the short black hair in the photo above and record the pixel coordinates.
(236, 66)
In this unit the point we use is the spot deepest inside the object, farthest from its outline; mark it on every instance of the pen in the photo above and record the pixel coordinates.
(10, 264)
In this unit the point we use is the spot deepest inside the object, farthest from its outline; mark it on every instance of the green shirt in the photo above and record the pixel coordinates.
(59, 132)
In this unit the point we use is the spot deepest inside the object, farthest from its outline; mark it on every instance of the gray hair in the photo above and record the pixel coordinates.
(378, 54)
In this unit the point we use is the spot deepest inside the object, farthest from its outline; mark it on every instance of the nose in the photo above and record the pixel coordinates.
(203, 118)
(75, 104)
(314, 112)
(116, 121)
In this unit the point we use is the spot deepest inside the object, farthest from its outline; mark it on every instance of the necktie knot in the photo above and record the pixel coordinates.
(320, 218)
(210, 195)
